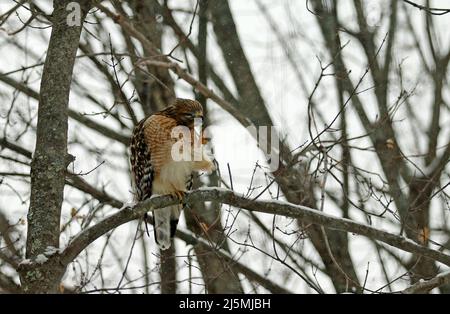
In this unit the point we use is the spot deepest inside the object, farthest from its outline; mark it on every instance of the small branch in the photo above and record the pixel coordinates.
(5, 232)
(82, 185)
(432, 11)
(428, 285)
(235, 265)
(104, 130)
(90, 123)
(188, 34)
(8, 285)
(4, 143)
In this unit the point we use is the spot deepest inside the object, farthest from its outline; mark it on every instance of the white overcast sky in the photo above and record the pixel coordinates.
(283, 96)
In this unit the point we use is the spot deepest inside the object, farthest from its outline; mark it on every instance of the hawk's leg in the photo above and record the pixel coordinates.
(146, 222)
(178, 195)
(181, 196)
(175, 212)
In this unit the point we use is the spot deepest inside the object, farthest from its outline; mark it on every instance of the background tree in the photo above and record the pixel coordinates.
(358, 94)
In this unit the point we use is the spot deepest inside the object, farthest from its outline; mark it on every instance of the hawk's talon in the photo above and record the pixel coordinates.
(179, 195)
(205, 227)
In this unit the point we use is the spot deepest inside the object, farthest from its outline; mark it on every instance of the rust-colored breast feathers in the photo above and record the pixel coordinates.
(157, 134)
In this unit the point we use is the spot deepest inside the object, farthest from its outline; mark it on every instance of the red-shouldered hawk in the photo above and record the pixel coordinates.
(155, 171)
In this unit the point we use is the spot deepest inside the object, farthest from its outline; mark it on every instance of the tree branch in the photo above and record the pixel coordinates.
(428, 285)
(90, 123)
(432, 11)
(153, 52)
(306, 214)
(8, 285)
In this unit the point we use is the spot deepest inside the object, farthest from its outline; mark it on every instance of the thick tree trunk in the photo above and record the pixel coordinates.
(50, 157)
(168, 270)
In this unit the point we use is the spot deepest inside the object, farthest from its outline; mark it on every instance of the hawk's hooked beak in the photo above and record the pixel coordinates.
(198, 128)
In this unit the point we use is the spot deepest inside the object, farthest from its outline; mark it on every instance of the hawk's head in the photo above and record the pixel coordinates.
(184, 111)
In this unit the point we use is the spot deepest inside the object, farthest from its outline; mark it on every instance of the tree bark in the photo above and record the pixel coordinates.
(252, 104)
(50, 158)
(168, 270)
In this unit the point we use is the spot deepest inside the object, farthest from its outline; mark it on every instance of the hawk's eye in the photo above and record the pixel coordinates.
(189, 115)
(193, 115)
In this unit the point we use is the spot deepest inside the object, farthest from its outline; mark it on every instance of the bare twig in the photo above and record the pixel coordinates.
(432, 11)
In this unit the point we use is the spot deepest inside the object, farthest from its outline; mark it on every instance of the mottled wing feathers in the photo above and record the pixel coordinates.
(150, 150)
(141, 165)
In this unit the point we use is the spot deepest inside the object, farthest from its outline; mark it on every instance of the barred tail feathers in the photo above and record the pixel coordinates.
(166, 221)
(162, 228)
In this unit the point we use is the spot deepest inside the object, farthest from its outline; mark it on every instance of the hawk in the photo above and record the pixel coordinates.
(155, 168)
